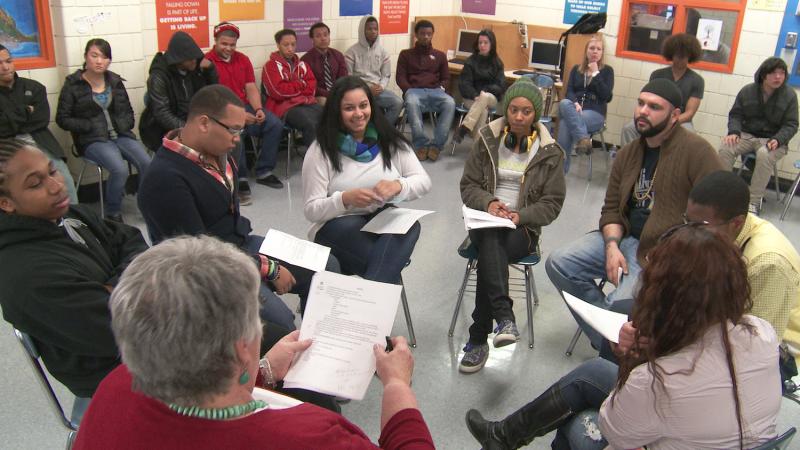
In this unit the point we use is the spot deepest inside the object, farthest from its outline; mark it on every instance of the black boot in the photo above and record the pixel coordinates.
(539, 417)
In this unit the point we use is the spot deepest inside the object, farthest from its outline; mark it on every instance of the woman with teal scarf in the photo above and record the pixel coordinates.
(359, 166)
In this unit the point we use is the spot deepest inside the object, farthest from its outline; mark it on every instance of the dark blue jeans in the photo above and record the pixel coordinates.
(270, 133)
(109, 155)
(376, 257)
(497, 248)
(584, 390)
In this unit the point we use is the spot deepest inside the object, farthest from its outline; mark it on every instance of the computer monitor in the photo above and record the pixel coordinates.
(466, 42)
(545, 55)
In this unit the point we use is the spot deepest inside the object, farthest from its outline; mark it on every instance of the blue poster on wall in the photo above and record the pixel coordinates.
(786, 48)
(355, 7)
(574, 9)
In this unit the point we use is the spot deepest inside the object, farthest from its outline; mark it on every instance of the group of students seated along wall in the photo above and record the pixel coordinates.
(711, 288)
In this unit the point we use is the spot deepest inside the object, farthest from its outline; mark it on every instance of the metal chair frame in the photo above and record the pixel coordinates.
(787, 199)
(290, 138)
(578, 332)
(86, 162)
(752, 156)
(522, 266)
(602, 143)
(412, 338)
(779, 443)
(32, 353)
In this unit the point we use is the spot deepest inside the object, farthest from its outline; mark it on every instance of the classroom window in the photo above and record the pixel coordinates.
(646, 24)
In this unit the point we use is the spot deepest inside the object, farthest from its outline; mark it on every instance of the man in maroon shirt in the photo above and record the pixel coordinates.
(422, 74)
(326, 63)
(236, 73)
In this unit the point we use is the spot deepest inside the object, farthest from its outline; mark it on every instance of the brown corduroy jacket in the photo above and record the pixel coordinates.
(685, 158)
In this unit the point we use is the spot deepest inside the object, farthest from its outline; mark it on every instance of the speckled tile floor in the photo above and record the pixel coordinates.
(512, 376)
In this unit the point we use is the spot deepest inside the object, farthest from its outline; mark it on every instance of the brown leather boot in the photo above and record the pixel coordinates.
(422, 153)
(433, 153)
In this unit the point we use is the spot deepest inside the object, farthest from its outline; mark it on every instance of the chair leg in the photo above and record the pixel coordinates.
(460, 121)
(70, 439)
(289, 148)
(412, 338)
(787, 200)
(102, 200)
(777, 184)
(589, 177)
(574, 341)
(529, 306)
(533, 289)
(470, 267)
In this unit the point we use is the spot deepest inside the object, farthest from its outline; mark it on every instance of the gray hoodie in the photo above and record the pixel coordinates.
(371, 63)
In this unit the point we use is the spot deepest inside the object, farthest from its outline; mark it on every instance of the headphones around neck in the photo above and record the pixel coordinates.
(510, 139)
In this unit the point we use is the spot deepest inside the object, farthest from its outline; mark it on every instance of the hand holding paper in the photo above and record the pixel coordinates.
(345, 317)
(607, 323)
(299, 252)
(474, 219)
(394, 220)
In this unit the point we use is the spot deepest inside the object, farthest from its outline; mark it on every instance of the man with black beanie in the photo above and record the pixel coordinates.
(647, 193)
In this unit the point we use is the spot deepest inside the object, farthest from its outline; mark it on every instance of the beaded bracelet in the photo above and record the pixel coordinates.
(266, 371)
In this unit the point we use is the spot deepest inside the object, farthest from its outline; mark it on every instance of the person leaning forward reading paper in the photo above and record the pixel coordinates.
(186, 385)
(191, 189)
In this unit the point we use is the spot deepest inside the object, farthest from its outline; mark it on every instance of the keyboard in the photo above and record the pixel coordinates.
(524, 72)
(458, 61)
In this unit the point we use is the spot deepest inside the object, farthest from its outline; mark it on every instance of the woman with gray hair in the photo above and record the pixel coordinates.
(185, 317)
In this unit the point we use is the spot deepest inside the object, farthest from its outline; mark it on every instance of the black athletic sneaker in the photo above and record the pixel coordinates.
(270, 181)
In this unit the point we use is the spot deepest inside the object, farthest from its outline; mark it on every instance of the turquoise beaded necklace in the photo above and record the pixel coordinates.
(230, 412)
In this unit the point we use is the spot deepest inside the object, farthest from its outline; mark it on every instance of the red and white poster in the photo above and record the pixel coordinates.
(190, 16)
(394, 17)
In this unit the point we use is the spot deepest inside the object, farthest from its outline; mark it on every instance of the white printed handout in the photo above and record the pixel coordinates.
(474, 219)
(299, 252)
(394, 220)
(607, 323)
(345, 317)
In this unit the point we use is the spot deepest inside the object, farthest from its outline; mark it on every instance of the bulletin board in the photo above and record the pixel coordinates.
(791, 24)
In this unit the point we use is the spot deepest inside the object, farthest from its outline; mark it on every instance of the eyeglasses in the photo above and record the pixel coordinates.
(232, 131)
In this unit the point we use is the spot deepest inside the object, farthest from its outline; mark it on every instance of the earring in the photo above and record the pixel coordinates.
(244, 377)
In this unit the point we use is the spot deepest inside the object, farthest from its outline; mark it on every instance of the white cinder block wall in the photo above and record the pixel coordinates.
(130, 27)
(757, 41)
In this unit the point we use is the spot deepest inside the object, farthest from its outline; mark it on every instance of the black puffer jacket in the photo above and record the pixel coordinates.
(79, 114)
(480, 73)
(170, 90)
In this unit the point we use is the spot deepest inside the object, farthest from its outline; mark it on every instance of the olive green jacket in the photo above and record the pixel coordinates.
(543, 189)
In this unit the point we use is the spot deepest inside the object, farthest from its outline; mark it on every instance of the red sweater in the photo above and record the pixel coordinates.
(119, 418)
(314, 59)
(422, 67)
(287, 85)
(234, 74)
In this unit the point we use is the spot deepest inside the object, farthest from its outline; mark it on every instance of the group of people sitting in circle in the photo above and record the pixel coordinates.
(711, 289)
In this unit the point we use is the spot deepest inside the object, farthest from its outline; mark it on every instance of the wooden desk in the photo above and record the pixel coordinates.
(455, 72)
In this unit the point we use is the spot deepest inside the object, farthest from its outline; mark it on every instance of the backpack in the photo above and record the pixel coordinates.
(589, 23)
